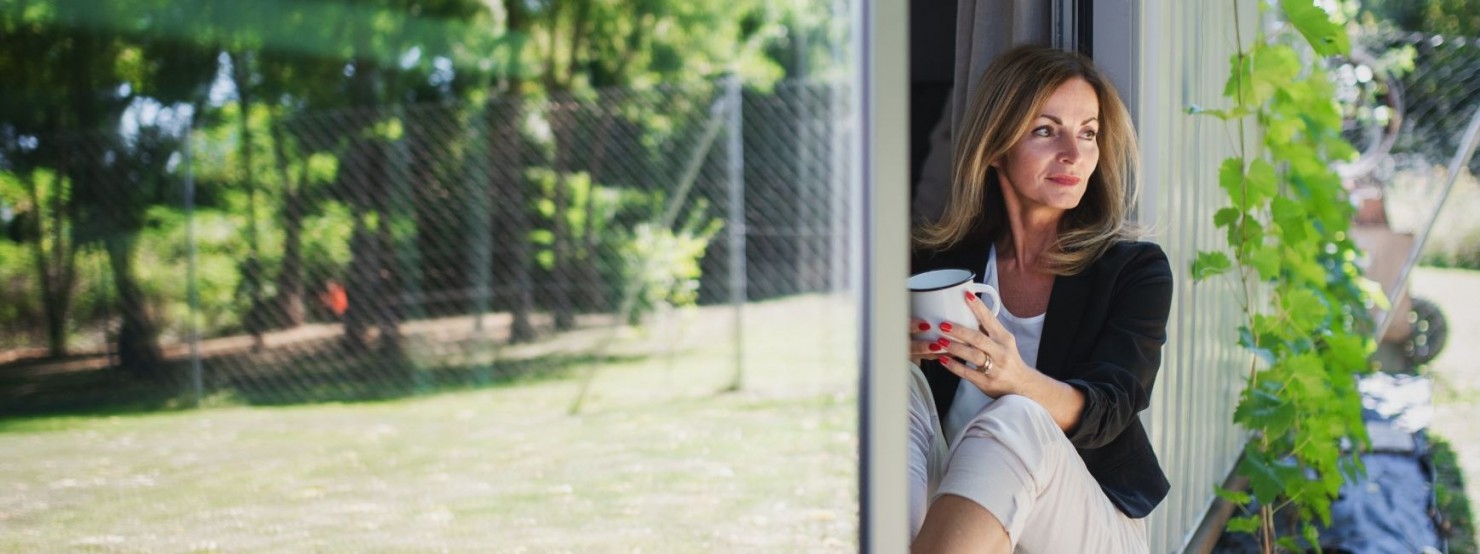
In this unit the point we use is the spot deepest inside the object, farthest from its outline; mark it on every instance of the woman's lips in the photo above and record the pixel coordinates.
(1064, 179)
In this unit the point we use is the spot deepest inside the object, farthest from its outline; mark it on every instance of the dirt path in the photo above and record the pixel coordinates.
(1457, 369)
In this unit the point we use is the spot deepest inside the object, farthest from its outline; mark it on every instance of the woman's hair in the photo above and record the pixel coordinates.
(1009, 97)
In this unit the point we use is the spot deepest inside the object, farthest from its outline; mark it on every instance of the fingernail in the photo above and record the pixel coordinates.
(970, 297)
(943, 342)
(934, 347)
(945, 326)
(944, 360)
(924, 326)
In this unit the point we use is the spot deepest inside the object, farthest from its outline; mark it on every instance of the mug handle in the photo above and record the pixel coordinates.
(983, 288)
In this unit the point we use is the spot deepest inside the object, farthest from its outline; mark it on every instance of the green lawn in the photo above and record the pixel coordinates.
(659, 459)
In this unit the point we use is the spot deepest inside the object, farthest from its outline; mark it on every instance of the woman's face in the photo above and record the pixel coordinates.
(1049, 168)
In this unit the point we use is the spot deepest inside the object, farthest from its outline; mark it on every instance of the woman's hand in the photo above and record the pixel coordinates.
(922, 349)
(1000, 369)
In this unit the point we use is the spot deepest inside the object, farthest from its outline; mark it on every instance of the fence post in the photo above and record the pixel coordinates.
(736, 227)
(192, 286)
(838, 184)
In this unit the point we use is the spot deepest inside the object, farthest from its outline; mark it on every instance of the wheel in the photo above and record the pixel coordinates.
(1429, 332)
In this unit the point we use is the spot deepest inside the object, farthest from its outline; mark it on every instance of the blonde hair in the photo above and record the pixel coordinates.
(1009, 96)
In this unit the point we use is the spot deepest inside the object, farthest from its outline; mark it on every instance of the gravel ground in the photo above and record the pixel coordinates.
(1457, 369)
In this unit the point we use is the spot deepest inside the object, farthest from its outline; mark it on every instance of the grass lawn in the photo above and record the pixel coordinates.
(1456, 374)
(660, 458)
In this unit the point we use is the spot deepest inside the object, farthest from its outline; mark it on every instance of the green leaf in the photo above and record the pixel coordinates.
(1244, 524)
(1264, 410)
(1348, 352)
(1231, 179)
(1263, 183)
(1289, 544)
(1303, 268)
(1263, 479)
(1265, 260)
(1238, 498)
(1246, 340)
(1291, 217)
(1275, 68)
(1226, 216)
(1253, 234)
(1327, 38)
(1209, 264)
(1305, 309)
(1312, 536)
(1307, 371)
(1240, 84)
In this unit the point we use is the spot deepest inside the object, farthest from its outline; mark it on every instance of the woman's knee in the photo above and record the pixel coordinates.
(1017, 406)
(1019, 412)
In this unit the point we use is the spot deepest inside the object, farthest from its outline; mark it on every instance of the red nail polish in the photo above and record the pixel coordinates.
(970, 297)
(945, 326)
(934, 347)
(944, 360)
(924, 326)
(943, 342)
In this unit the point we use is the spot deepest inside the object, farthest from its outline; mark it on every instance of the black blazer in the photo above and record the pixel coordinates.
(1102, 335)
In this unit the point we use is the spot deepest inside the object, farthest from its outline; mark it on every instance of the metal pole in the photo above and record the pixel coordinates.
(191, 285)
(737, 221)
(1456, 164)
(716, 123)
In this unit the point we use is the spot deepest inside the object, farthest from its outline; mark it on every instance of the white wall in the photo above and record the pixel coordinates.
(1179, 58)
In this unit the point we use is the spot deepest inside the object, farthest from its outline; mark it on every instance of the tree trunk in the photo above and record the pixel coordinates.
(55, 267)
(359, 288)
(388, 301)
(252, 267)
(510, 190)
(374, 279)
(359, 173)
(290, 288)
(511, 221)
(138, 351)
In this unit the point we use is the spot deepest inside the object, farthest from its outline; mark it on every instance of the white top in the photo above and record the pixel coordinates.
(1029, 333)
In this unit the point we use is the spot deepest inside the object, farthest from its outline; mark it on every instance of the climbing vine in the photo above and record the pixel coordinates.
(1291, 259)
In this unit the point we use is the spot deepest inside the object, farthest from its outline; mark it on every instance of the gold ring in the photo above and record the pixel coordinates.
(987, 366)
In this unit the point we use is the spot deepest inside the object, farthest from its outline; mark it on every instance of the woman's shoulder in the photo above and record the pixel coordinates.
(1135, 249)
(1143, 258)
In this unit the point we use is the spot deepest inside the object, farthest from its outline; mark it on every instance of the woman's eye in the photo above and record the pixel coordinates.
(1090, 134)
(1043, 131)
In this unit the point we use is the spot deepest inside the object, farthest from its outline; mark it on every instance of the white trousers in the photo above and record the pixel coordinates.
(1013, 460)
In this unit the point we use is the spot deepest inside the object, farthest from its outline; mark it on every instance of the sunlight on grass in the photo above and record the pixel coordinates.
(658, 460)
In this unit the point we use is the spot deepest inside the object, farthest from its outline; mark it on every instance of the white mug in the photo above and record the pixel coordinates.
(940, 295)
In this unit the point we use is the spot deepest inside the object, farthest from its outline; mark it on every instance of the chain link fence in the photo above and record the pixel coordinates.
(1408, 98)
(273, 256)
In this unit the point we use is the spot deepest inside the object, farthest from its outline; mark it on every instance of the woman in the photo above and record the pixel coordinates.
(1040, 404)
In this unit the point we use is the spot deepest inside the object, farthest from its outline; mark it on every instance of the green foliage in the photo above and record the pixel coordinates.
(1447, 17)
(1286, 229)
(287, 108)
(1323, 35)
(20, 300)
(663, 264)
(615, 231)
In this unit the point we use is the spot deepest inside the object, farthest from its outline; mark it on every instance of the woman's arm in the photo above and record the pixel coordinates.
(1117, 379)
(1110, 389)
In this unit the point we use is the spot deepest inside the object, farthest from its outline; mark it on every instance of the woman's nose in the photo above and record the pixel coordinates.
(1069, 151)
